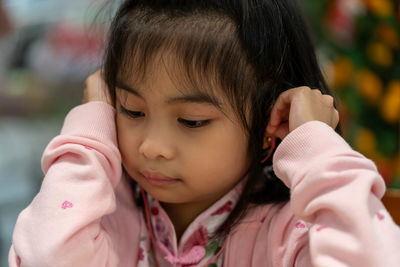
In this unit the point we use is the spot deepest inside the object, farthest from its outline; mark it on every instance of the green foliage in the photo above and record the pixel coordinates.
(361, 48)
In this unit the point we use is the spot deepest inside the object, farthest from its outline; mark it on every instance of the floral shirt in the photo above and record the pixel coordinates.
(196, 247)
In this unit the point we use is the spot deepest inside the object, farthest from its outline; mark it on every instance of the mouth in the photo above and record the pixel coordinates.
(158, 179)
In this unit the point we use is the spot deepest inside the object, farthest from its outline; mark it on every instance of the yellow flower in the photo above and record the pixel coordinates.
(369, 86)
(390, 107)
(388, 35)
(342, 71)
(397, 166)
(380, 54)
(366, 142)
(380, 7)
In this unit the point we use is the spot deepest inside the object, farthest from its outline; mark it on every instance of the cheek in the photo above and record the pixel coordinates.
(234, 156)
(225, 156)
(126, 141)
(224, 164)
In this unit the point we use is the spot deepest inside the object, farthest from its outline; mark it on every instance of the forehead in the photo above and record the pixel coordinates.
(199, 49)
(165, 75)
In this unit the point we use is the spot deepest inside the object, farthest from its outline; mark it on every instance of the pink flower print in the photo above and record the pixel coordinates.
(263, 219)
(380, 216)
(225, 208)
(154, 211)
(198, 238)
(141, 254)
(166, 242)
(88, 148)
(160, 227)
(190, 258)
(300, 225)
(66, 205)
(18, 260)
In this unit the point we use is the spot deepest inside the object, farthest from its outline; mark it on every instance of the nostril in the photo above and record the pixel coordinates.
(148, 150)
(151, 149)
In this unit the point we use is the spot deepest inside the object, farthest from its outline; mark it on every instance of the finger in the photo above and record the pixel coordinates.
(281, 107)
(282, 117)
(336, 119)
(278, 114)
(282, 131)
(328, 100)
(316, 91)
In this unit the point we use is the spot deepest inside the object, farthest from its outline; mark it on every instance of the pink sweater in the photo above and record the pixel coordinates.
(84, 214)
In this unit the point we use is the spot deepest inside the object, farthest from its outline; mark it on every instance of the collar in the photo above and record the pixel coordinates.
(196, 244)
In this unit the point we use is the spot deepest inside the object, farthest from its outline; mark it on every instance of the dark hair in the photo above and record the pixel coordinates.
(253, 49)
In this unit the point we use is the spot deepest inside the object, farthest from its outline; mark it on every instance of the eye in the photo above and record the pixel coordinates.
(193, 124)
(131, 113)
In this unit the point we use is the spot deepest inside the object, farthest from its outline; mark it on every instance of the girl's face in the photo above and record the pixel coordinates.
(179, 146)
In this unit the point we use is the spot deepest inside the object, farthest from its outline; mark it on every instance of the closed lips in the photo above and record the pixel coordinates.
(156, 176)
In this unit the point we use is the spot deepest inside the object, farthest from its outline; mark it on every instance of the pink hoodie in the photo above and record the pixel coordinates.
(85, 215)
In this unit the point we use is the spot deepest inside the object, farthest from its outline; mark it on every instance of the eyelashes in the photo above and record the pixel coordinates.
(192, 124)
(131, 113)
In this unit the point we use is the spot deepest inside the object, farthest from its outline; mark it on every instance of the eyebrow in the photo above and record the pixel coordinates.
(128, 88)
(194, 97)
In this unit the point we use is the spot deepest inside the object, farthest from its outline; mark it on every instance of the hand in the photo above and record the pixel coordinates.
(299, 105)
(96, 89)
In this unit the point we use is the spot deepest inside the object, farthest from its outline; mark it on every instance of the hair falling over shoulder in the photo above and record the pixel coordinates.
(253, 49)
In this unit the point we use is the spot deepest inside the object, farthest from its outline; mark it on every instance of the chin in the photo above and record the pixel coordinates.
(166, 197)
(164, 194)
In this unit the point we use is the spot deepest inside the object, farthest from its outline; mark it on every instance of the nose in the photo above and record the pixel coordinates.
(156, 145)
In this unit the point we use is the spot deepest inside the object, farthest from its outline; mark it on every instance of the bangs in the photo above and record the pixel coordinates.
(201, 51)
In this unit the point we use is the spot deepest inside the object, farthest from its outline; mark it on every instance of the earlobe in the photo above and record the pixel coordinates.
(267, 141)
(269, 146)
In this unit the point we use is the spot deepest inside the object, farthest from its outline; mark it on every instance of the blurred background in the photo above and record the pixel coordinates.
(49, 47)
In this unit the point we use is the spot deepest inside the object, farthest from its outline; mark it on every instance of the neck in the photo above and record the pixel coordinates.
(182, 214)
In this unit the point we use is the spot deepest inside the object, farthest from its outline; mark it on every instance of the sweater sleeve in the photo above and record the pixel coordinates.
(82, 166)
(338, 192)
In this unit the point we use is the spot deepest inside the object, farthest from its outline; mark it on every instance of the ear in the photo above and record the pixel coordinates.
(268, 140)
(268, 146)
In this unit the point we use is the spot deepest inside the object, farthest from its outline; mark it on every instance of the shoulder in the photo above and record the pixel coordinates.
(268, 234)
(264, 218)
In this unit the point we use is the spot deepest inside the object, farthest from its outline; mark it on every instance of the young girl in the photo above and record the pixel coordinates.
(172, 166)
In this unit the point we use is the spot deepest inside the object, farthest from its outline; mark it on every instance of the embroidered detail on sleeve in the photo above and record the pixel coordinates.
(322, 227)
(380, 216)
(66, 205)
(300, 225)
